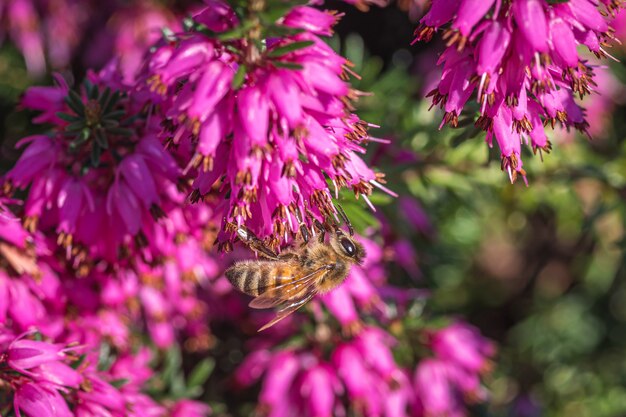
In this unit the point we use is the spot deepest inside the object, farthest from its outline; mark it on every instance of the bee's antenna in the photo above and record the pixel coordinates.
(345, 219)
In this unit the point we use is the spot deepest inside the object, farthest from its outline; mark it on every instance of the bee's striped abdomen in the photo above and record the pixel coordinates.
(255, 278)
(245, 277)
(251, 277)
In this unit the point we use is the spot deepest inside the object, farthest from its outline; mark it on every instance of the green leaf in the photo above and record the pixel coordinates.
(75, 102)
(104, 97)
(96, 153)
(67, 117)
(122, 131)
(290, 47)
(75, 127)
(276, 31)
(114, 114)
(235, 33)
(173, 364)
(277, 9)
(119, 383)
(201, 373)
(101, 139)
(109, 124)
(75, 144)
(239, 77)
(287, 65)
(78, 362)
(112, 102)
(188, 24)
(105, 358)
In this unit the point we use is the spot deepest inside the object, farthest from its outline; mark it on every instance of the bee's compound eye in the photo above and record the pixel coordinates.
(348, 246)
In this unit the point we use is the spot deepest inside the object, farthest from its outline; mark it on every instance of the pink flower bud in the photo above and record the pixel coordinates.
(24, 354)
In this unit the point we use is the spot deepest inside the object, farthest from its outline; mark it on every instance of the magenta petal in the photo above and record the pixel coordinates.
(588, 14)
(280, 375)
(317, 389)
(491, 48)
(253, 110)
(563, 42)
(440, 13)
(139, 179)
(25, 354)
(470, 12)
(531, 19)
(33, 401)
(57, 373)
(285, 96)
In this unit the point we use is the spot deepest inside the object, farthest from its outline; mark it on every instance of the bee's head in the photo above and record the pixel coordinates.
(347, 247)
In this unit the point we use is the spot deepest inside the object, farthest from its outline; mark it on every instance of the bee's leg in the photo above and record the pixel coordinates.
(287, 256)
(304, 231)
(320, 227)
(345, 219)
(252, 241)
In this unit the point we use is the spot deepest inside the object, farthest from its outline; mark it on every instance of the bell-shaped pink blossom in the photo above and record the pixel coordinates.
(463, 345)
(32, 400)
(531, 19)
(24, 354)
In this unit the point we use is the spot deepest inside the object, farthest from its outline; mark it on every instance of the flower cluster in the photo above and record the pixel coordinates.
(361, 375)
(445, 382)
(44, 29)
(521, 60)
(263, 124)
(99, 177)
(51, 33)
(53, 328)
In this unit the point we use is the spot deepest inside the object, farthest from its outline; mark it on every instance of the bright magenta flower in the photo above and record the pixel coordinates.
(288, 114)
(521, 58)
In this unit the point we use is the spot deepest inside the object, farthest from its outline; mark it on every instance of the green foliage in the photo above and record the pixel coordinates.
(540, 269)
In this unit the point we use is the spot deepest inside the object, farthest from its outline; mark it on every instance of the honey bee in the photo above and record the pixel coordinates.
(290, 279)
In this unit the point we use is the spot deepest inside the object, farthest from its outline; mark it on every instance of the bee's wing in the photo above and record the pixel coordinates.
(289, 291)
(292, 306)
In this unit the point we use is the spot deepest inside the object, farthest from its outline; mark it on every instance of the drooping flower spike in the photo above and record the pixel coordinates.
(520, 60)
(265, 129)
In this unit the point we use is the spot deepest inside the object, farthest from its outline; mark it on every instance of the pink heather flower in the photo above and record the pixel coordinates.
(35, 401)
(281, 372)
(24, 354)
(318, 390)
(291, 128)
(43, 29)
(24, 28)
(316, 21)
(522, 60)
(47, 100)
(56, 373)
(189, 408)
(464, 346)
(129, 32)
(437, 394)
(119, 197)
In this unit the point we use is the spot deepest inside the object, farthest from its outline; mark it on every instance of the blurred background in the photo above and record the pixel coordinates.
(540, 269)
